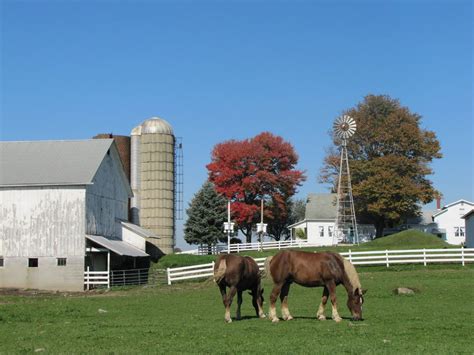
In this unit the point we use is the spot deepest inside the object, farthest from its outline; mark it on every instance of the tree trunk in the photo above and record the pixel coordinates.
(379, 227)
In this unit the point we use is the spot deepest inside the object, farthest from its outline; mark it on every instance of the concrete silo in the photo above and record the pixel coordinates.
(153, 180)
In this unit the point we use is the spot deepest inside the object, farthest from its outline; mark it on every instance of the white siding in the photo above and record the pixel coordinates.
(106, 199)
(450, 219)
(42, 221)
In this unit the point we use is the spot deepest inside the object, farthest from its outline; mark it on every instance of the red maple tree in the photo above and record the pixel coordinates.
(247, 171)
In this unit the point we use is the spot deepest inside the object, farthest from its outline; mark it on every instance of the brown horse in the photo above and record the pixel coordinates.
(313, 270)
(239, 274)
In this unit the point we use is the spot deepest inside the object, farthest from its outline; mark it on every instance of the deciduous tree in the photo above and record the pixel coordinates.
(247, 171)
(389, 157)
(206, 217)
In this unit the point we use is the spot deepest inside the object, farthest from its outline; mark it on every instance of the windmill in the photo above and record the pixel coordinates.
(345, 224)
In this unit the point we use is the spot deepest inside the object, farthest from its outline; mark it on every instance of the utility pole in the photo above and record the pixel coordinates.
(261, 227)
(228, 227)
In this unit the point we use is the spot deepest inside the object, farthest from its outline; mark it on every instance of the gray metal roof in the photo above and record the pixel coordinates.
(139, 230)
(320, 207)
(51, 162)
(117, 246)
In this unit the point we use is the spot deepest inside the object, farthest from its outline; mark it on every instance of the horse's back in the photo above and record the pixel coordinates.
(306, 268)
(240, 271)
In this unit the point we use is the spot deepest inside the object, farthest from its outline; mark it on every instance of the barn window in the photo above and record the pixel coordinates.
(32, 262)
(61, 261)
(1, 262)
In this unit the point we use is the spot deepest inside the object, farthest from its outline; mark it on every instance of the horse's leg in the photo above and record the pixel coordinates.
(320, 315)
(239, 303)
(332, 292)
(228, 302)
(256, 304)
(285, 312)
(273, 297)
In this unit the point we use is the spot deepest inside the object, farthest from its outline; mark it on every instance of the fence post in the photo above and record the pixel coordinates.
(386, 257)
(279, 244)
(87, 279)
(168, 275)
(462, 256)
(350, 256)
(424, 256)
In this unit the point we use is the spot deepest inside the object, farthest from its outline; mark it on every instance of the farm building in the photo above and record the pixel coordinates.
(450, 223)
(64, 208)
(318, 224)
(469, 223)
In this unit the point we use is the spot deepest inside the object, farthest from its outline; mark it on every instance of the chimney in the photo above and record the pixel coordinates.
(438, 203)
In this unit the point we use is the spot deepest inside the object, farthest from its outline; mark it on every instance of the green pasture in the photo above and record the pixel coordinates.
(189, 318)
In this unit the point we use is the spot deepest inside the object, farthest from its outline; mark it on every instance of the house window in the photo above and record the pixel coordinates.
(32, 262)
(461, 231)
(321, 231)
(1, 262)
(61, 261)
(330, 231)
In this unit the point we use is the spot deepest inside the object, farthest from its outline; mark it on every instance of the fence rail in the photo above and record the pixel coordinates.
(379, 257)
(94, 278)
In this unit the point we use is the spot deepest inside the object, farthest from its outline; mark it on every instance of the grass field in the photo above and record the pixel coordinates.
(189, 318)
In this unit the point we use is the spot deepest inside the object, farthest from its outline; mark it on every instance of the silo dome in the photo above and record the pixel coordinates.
(156, 125)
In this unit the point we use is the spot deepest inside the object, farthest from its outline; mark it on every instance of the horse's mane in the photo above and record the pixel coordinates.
(352, 274)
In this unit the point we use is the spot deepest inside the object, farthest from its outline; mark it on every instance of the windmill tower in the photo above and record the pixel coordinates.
(345, 229)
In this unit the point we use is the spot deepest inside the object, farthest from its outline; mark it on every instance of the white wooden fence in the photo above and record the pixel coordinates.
(93, 278)
(379, 257)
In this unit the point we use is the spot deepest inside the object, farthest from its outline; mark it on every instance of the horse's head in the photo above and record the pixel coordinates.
(354, 303)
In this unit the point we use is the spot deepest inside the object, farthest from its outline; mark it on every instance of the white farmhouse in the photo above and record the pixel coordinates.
(469, 221)
(450, 222)
(318, 224)
(63, 209)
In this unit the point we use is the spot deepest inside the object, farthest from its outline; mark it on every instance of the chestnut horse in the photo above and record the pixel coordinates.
(239, 274)
(313, 270)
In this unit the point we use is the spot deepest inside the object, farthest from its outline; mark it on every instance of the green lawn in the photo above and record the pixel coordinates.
(189, 318)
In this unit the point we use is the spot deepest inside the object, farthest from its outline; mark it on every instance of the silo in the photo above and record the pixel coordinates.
(153, 180)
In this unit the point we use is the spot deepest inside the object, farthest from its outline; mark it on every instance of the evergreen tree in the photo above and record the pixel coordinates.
(206, 217)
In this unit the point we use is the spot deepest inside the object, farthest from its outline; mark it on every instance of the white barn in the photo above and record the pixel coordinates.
(469, 222)
(63, 208)
(450, 223)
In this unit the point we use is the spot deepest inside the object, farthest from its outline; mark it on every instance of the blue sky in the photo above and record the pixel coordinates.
(220, 70)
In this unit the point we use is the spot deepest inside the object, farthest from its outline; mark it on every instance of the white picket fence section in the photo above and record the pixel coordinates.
(93, 278)
(379, 257)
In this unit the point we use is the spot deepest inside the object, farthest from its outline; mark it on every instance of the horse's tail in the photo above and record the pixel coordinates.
(266, 270)
(219, 270)
(351, 274)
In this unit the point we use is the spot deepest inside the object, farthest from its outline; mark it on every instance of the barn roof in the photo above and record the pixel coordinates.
(40, 163)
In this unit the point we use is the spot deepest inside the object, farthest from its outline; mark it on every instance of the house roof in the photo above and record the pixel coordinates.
(51, 162)
(320, 207)
(444, 209)
(117, 246)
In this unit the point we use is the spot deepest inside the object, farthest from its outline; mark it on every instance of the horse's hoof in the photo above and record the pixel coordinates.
(289, 318)
(321, 317)
(228, 320)
(262, 316)
(275, 320)
(337, 319)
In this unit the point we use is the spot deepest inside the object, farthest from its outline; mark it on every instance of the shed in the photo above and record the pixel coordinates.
(469, 224)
